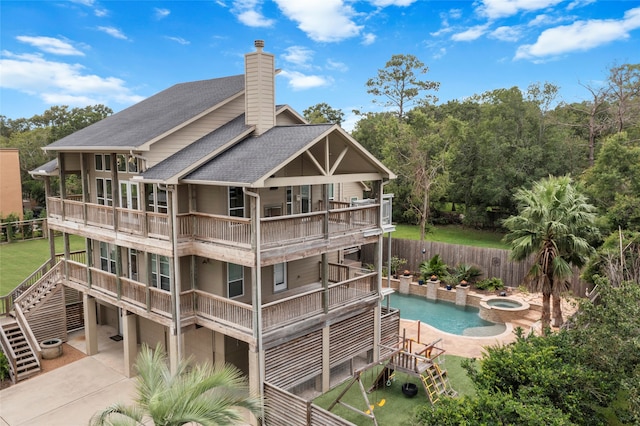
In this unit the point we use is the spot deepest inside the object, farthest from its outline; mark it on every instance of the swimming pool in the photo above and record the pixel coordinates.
(445, 316)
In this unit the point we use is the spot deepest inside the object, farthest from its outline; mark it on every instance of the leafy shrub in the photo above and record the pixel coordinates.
(4, 366)
(490, 284)
(397, 263)
(434, 266)
(469, 273)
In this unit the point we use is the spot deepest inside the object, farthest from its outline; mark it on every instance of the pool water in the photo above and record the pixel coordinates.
(510, 304)
(445, 316)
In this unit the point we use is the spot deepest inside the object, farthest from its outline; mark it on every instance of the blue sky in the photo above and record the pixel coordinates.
(84, 52)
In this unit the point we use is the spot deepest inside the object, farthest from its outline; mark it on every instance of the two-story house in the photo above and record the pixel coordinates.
(219, 224)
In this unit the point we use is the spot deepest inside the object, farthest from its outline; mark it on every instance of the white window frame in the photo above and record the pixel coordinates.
(154, 201)
(104, 191)
(127, 164)
(279, 277)
(235, 193)
(105, 162)
(304, 197)
(234, 280)
(289, 200)
(134, 266)
(107, 257)
(127, 198)
(158, 278)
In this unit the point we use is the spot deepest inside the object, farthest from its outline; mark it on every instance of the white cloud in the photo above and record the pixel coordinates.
(322, 20)
(580, 36)
(101, 13)
(161, 13)
(506, 33)
(385, 3)
(368, 39)
(471, 34)
(546, 20)
(503, 8)
(455, 13)
(298, 55)
(179, 40)
(579, 3)
(249, 13)
(299, 81)
(338, 66)
(51, 45)
(84, 2)
(60, 82)
(440, 53)
(113, 32)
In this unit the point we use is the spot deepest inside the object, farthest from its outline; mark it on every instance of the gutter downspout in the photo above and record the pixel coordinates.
(176, 267)
(257, 294)
(382, 185)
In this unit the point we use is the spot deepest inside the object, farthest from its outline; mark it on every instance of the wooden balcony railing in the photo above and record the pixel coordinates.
(215, 228)
(284, 229)
(224, 311)
(228, 230)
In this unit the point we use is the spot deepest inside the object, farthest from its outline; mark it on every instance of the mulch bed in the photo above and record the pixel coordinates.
(69, 355)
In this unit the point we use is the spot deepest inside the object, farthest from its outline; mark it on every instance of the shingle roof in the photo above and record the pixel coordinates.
(47, 169)
(254, 157)
(200, 149)
(140, 123)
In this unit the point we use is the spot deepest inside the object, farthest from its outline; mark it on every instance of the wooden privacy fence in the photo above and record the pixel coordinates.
(493, 262)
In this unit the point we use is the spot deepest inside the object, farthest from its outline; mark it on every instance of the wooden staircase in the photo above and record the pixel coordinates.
(18, 341)
(22, 357)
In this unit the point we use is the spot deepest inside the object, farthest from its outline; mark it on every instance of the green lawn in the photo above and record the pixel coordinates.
(390, 406)
(453, 234)
(18, 260)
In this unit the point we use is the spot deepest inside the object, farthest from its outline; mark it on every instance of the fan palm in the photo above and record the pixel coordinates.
(200, 394)
(552, 223)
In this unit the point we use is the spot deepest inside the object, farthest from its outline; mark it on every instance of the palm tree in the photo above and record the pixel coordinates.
(553, 222)
(201, 394)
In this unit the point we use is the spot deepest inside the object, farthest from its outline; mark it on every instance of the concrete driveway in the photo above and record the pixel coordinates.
(67, 396)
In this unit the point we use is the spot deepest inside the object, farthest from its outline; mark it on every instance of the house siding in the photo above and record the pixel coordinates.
(183, 137)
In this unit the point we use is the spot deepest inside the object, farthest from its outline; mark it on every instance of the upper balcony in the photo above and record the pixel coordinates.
(212, 236)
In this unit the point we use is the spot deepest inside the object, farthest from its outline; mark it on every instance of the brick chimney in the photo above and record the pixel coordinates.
(259, 84)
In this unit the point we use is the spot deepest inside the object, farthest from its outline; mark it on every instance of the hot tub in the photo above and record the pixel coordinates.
(502, 309)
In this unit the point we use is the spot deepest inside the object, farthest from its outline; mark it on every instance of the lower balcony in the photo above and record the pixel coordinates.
(226, 315)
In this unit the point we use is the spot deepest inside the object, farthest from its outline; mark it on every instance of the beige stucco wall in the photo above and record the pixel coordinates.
(199, 344)
(10, 183)
(151, 333)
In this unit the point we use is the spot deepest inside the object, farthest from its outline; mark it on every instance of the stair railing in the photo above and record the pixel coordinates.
(7, 301)
(10, 355)
(31, 338)
(25, 300)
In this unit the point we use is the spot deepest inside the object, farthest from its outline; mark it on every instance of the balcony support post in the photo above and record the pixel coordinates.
(90, 325)
(50, 232)
(85, 186)
(115, 190)
(62, 183)
(256, 290)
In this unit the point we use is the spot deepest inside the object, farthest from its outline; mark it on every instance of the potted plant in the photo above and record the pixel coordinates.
(397, 263)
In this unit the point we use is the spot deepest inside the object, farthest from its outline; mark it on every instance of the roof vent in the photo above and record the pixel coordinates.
(259, 44)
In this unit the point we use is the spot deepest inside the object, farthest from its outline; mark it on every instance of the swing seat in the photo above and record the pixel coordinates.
(409, 389)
